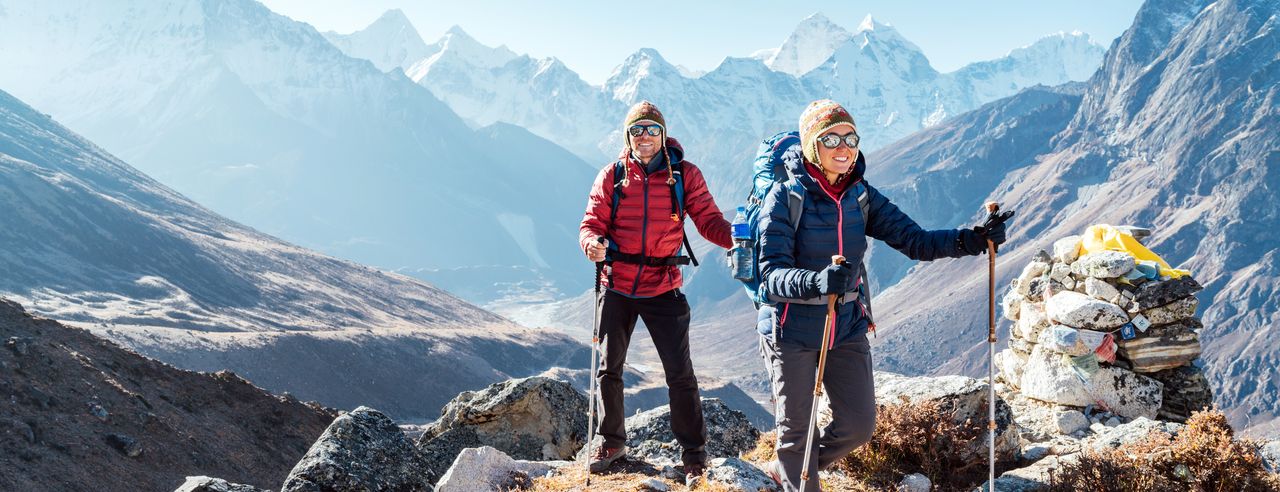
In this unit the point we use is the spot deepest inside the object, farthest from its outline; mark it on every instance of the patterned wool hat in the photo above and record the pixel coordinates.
(820, 117)
(641, 111)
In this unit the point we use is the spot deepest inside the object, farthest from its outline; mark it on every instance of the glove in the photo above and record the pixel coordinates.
(835, 279)
(974, 241)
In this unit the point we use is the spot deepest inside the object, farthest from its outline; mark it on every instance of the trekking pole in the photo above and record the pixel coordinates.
(595, 349)
(828, 332)
(993, 217)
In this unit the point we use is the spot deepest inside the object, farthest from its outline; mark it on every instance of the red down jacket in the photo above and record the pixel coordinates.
(644, 224)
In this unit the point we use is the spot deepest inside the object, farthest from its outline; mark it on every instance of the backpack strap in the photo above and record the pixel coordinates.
(677, 203)
(677, 211)
(864, 285)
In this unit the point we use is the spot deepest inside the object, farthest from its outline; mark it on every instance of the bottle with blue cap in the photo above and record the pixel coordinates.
(741, 257)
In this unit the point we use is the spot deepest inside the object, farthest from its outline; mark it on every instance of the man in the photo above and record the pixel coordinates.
(635, 205)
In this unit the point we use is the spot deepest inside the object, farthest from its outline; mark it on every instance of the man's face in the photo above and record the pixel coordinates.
(837, 160)
(645, 145)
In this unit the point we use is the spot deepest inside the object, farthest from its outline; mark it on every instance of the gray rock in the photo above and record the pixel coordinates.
(1067, 249)
(1103, 264)
(1042, 256)
(729, 433)
(739, 475)
(1173, 312)
(1009, 367)
(126, 445)
(1031, 321)
(1162, 347)
(483, 469)
(1139, 233)
(1128, 433)
(1060, 272)
(915, 482)
(1186, 390)
(1031, 271)
(964, 398)
(1081, 311)
(210, 484)
(1011, 302)
(1158, 293)
(533, 418)
(361, 450)
(1071, 421)
(1270, 452)
(1112, 422)
(1047, 377)
(97, 411)
(1036, 477)
(1036, 288)
(654, 485)
(19, 345)
(1100, 289)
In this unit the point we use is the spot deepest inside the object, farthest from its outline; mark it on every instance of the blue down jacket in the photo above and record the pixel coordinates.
(790, 258)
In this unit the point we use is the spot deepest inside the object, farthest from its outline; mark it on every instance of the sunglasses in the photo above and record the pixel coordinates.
(832, 140)
(653, 130)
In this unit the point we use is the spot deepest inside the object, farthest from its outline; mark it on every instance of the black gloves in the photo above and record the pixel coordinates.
(974, 241)
(834, 279)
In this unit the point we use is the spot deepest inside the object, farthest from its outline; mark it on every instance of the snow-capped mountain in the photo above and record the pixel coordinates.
(1177, 131)
(87, 239)
(884, 78)
(391, 42)
(263, 120)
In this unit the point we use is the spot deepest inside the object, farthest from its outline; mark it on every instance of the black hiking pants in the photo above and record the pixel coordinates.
(667, 318)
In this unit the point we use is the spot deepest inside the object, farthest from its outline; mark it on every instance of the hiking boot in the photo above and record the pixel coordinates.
(604, 457)
(693, 474)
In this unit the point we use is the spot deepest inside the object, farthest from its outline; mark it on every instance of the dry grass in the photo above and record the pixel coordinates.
(1205, 456)
(625, 476)
(918, 438)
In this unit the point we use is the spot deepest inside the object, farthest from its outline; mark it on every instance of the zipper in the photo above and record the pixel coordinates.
(840, 250)
(644, 229)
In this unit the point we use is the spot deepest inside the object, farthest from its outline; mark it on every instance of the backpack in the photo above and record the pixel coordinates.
(769, 168)
(677, 212)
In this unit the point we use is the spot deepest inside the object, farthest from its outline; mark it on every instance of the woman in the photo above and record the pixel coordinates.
(797, 272)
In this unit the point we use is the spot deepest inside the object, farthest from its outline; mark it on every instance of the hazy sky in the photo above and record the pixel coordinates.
(592, 38)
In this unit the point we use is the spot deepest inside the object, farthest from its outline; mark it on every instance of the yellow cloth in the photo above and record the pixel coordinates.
(1102, 237)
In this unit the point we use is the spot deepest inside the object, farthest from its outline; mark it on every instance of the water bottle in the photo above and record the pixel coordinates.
(742, 257)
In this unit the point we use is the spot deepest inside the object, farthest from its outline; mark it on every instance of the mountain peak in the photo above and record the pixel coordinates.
(869, 23)
(389, 42)
(810, 44)
(456, 31)
(394, 17)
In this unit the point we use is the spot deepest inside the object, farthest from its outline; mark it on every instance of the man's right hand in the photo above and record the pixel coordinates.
(835, 279)
(596, 250)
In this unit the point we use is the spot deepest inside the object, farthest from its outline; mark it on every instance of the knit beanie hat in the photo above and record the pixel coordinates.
(641, 111)
(818, 118)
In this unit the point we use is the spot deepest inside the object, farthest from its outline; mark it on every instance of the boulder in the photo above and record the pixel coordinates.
(1186, 390)
(1049, 377)
(1103, 264)
(729, 433)
(1101, 289)
(484, 469)
(1270, 452)
(1070, 421)
(1011, 303)
(1009, 367)
(1158, 293)
(1060, 272)
(1036, 477)
(963, 398)
(1162, 347)
(1173, 312)
(210, 484)
(533, 418)
(1128, 433)
(1032, 320)
(737, 474)
(915, 482)
(1081, 311)
(361, 450)
(1067, 249)
(1033, 270)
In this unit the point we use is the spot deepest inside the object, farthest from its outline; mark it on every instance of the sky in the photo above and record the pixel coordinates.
(593, 39)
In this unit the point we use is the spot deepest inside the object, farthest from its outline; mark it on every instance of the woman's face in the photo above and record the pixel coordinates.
(841, 158)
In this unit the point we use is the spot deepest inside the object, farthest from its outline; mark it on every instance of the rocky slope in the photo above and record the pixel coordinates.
(82, 413)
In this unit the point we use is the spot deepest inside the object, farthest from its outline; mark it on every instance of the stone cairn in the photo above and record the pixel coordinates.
(1105, 331)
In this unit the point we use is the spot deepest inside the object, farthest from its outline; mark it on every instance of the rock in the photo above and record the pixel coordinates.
(1036, 288)
(210, 484)
(533, 418)
(1103, 264)
(1158, 293)
(653, 484)
(1112, 422)
(1100, 289)
(1047, 377)
(126, 445)
(1033, 270)
(737, 474)
(1162, 347)
(915, 482)
(729, 433)
(1067, 249)
(1031, 321)
(1071, 421)
(1173, 312)
(1036, 477)
(1010, 303)
(1009, 367)
(1042, 256)
(1185, 390)
(1060, 272)
(19, 345)
(361, 450)
(963, 398)
(483, 469)
(1270, 452)
(97, 411)
(1081, 311)
(1021, 347)
(1064, 340)
(1139, 233)
(1138, 429)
